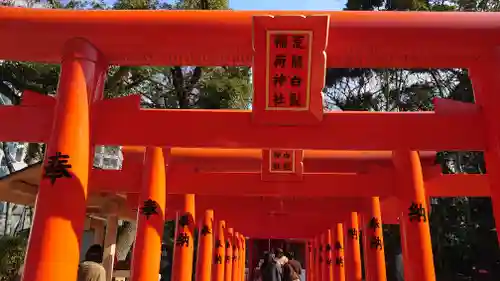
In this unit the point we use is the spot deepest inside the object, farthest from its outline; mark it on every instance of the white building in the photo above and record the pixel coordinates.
(19, 216)
(14, 154)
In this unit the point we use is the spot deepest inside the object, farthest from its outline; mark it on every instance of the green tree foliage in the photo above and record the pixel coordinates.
(423, 5)
(11, 256)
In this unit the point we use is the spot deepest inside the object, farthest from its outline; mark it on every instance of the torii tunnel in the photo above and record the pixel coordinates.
(242, 175)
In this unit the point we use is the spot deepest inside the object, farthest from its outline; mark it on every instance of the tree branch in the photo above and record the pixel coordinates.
(113, 81)
(178, 82)
(9, 93)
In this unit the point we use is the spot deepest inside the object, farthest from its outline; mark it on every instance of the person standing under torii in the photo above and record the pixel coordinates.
(270, 269)
(292, 270)
(91, 269)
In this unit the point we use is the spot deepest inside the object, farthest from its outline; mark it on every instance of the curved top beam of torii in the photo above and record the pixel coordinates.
(230, 43)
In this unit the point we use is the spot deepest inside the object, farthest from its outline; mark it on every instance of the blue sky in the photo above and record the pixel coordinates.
(318, 5)
(322, 5)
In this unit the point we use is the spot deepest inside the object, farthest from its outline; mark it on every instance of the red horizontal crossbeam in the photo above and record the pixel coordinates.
(313, 185)
(204, 128)
(235, 129)
(296, 218)
(243, 207)
(356, 39)
(184, 177)
(337, 131)
(250, 184)
(282, 227)
(279, 227)
(287, 217)
(286, 225)
(314, 161)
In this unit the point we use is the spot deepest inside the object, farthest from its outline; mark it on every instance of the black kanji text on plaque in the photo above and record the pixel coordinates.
(281, 41)
(298, 40)
(280, 61)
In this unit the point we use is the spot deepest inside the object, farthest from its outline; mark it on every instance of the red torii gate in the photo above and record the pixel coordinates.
(220, 160)
(222, 181)
(78, 119)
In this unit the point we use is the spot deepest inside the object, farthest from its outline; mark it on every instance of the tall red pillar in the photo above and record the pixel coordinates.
(61, 203)
(309, 259)
(414, 207)
(339, 256)
(484, 78)
(353, 249)
(236, 273)
(228, 270)
(219, 253)
(150, 218)
(182, 268)
(323, 258)
(317, 257)
(243, 257)
(205, 247)
(374, 242)
(329, 261)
